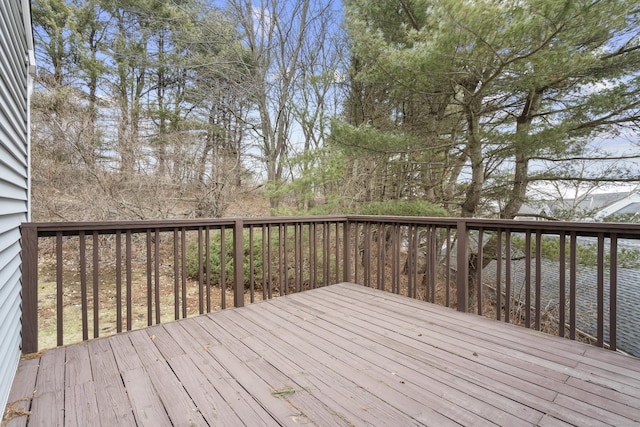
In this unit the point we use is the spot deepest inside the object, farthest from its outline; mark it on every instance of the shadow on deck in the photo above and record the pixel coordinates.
(339, 355)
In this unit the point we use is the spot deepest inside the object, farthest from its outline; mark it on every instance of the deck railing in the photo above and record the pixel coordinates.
(105, 277)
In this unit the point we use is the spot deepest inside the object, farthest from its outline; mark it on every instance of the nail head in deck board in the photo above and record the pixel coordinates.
(322, 342)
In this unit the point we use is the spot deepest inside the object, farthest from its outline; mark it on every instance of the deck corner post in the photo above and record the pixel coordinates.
(462, 265)
(238, 264)
(346, 241)
(29, 234)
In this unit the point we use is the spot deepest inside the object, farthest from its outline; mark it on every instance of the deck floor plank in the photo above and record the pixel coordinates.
(113, 402)
(279, 385)
(22, 391)
(319, 371)
(233, 394)
(468, 365)
(339, 355)
(146, 405)
(423, 380)
(48, 407)
(571, 393)
(400, 392)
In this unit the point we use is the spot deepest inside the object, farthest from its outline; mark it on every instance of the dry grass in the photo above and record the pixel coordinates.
(13, 410)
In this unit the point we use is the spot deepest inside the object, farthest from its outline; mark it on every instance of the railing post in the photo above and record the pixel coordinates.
(462, 278)
(29, 289)
(346, 243)
(238, 264)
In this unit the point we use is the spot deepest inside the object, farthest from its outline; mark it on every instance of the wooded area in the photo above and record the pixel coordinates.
(174, 108)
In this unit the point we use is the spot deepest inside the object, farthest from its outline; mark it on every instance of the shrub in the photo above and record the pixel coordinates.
(402, 208)
(215, 252)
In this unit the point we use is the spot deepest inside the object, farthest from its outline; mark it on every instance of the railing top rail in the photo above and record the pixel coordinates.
(139, 226)
(107, 227)
(294, 219)
(621, 230)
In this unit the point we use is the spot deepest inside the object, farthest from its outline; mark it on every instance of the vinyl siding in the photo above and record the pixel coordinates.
(16, 46)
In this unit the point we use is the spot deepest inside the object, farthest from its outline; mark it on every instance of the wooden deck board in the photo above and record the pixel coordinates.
(340, 355)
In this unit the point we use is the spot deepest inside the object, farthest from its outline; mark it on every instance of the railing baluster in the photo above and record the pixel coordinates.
(379, 257)
(600, 290)
(83, 287)
(265, 267)
(314, 249)
(183, 267)
(200, 273)
(238, 264)
(223, 268)
(286, 257)
(281, 264)
(538, 278)
(356, 250)
(416, 259)
(562, 284)
(572, 285)
(207, 265)
(149, 280)
(433, 264)
(156, 273)
(251, 266)
(499, 275)
(129, 279)
(96, 289)
(527, 279)
(269, 258)
(507, 277)
(367, 254)
(176, 276)
(479, 262)
(298, 261)
(395, 262)
(59, 289)
(337, 263)
(118, 281)
(613, 292)
(447, 288)
(346, 252)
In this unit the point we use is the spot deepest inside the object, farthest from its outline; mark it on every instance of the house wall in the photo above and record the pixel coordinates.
(16, 57)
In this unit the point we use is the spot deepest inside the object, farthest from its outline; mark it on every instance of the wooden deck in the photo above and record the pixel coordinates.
(340, 355)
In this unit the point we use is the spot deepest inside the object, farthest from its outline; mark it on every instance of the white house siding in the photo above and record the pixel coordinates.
(16, 55)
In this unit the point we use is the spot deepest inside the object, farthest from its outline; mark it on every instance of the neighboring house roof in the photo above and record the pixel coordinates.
(593, 206)
(631, 208)
(626, 205)
(628, 297)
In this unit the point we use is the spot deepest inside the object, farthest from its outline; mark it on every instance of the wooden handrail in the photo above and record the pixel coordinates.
(304, 252)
